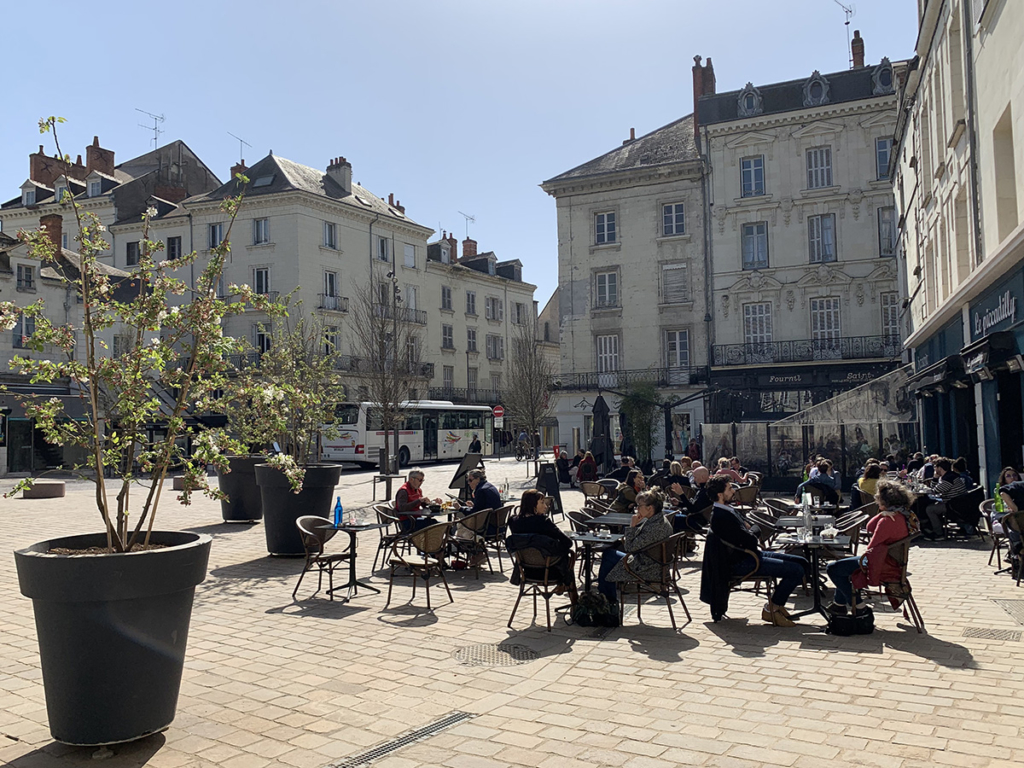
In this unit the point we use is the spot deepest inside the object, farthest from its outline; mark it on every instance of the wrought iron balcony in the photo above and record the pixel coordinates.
(471, 396)
(807, 350)
(660, 377)
(405, 314)
(334, 303)
(351, 364)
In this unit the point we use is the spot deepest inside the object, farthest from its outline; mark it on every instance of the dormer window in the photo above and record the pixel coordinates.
(750, 101)
(58, 192)
(446, 256)
(28, 196)
(816, 90)
(883, 80)
(95, 188)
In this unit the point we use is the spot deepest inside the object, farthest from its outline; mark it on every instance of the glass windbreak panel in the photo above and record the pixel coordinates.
(861, 445)
(347, 415)
(717, 443)
(902, 439)
(752, 446)
(826, 441)
(787, 453)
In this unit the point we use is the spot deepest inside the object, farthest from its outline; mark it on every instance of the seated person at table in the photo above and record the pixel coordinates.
(948, 486)
(533, 520)
(625, 494)
(725, 469)
(822, 478)
(693, 514)
(739, 469)
(1007, 476)
(722, 564)
(621, 473)
(485, 495)
(587, 472)
(410, 499)
(658, 478)
(960, 467)
(893, 523)
(866, 485)
(1012, 497)
(648, 526)
(916, 463)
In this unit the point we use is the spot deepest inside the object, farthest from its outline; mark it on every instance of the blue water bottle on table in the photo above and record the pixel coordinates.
(339, 514)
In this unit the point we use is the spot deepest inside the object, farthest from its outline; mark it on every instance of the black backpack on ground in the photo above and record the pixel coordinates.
(594, 610)
(845, 625)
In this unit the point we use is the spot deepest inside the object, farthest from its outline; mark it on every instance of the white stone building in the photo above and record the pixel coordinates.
(957, 181)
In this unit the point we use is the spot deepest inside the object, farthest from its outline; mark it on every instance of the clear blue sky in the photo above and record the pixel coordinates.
(453, 105)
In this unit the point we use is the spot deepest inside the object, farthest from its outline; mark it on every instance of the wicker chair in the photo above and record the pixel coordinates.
(745, 497)
(900, 591)
(469, 539)
(536, 578)
(591, 489)
(386, 516)
(777, 508)
(429, 545)
(610, 488)
(666, 554)
(316, 532)
(994, 530)
(757, 582)
(497, 530)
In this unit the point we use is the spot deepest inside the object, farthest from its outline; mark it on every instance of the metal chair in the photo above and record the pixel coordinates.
(316, 532)
(536, 579)
(430, 545)
(666, 554)
(387, 516)
(900, 591)
(497, 530)
(745, 497)
(591, 489)
(610, 488)
(469, 536)
(758, 582)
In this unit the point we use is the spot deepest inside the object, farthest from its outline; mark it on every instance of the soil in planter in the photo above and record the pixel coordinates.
(102, 550)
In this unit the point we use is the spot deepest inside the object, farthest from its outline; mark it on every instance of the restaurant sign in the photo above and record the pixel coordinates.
(997, 310)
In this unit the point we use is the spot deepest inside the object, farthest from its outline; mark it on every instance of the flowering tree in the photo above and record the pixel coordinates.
(181, 349)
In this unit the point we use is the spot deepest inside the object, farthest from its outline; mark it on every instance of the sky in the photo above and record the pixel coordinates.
(455, 106)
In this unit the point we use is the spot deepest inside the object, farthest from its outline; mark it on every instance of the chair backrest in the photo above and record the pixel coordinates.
(851, 525)
(899, 551)
(578, 521)
(688, 492)
(609, 486)
(591, 489)
(316, 531)
(476, 522)
(431, 540)
(500, 519)
(386, 514)
(757, 560)
(745, 495)
(776, 508)
(1014, 521)
(664, 552)
(530, 557)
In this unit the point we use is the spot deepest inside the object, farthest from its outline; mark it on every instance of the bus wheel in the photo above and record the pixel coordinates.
(403, 457)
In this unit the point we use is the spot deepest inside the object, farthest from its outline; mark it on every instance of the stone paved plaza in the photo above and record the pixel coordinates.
(272, 682)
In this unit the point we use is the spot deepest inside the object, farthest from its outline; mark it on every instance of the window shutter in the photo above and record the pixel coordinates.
(676, 285)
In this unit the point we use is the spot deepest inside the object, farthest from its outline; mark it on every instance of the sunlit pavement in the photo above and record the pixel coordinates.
(272, 682)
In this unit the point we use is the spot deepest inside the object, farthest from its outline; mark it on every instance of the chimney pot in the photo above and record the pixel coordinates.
(391, 199)
(53, 223)
(857, 50)
(468, 248)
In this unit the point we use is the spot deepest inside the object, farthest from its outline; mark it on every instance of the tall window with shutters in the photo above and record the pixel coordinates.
(677, 356)
(887, 231)
(675, 284)
(826, 329)
(607, 359)
(821, 238)
(890, 302)
(757, 333)
(819, 167)
(607, 290)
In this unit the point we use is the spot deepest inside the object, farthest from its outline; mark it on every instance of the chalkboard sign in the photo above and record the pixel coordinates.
(547, 481)
(459, 481)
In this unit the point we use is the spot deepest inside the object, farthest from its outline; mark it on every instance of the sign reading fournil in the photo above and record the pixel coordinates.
(1006, 309)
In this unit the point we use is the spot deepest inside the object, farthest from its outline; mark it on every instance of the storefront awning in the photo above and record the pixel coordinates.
(989, 353)
(944, 372)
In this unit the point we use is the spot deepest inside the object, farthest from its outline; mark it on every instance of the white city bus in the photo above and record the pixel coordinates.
(433, 430)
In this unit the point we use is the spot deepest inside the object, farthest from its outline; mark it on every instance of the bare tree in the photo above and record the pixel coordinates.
(387, 348)
(527, 393)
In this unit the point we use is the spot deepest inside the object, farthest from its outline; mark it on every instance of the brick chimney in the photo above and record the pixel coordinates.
(53, 223)
(632, 136)
(857, 49)
(468, 248)
(340, 170)
(703, 85)
(239, 167)
(99, 159)
(453, 247)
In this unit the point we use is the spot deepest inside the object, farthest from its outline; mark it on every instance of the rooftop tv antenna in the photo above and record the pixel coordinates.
(241, 141)
(468, 219)
(155, 128)
(850, 11)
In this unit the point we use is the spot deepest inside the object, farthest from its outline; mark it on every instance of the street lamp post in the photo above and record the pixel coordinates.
(396, 299)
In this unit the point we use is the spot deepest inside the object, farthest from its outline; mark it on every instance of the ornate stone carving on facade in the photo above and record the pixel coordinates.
(883, 79)
(790, 300)
(725, 305)
(855, 197)
(816, 90)
(721, 212)
(859, 294)
(786, 204)
(749, 102)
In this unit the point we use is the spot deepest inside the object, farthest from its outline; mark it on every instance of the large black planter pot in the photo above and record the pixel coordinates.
(112, 632)
(244, 504)
(281, 507)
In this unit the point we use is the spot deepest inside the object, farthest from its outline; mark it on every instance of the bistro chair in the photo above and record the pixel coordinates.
(497, 530)
(777, 508)
(578, 521)
(610, 487)
(595, 507)
(537, 578)
(666, 554)
(386, 516)
(316, 532)
(427, 548)
(469, 541)
(591, 489)
(996, 531)
(766, 526)
(688, 491)
(745, 497)
(757, 582)
(899, 592)
(1014, 521)
(966, 508)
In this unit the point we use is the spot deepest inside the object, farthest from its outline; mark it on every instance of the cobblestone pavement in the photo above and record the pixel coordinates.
(271, 682)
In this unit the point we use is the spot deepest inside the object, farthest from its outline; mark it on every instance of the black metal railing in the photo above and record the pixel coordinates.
(344, 363)
(660, 377)
(404, 314)
(334, 303)
(807, 350)
(469, 396)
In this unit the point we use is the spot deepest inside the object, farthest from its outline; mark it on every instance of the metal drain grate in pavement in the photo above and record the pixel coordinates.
(983, 633)
(387, 747)
(1013, 607)
(494, 655)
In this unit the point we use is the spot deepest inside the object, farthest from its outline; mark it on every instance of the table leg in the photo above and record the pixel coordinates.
(813, 556)
(353, 584)
(588, 564)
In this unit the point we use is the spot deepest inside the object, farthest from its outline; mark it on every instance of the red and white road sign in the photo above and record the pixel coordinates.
(498, 411)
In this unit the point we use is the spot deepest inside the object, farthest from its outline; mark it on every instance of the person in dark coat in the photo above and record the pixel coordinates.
(485, 495)
(533, 518)
(588, 469)
(723, 563)
(474, 447)
(562, 465)
(623, 471)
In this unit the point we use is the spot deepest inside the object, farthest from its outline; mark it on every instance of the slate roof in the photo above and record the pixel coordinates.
(848, 85)
(669, 144)
(289, 176)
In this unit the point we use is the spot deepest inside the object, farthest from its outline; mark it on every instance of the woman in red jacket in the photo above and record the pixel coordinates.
(894, 522)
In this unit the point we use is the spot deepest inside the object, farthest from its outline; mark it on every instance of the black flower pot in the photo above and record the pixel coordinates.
(243, 504)
(112, 632)
(281, 507)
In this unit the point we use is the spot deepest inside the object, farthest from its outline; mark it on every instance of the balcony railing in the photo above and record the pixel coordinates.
(344, 363)
(405, 314)
(470, 396)
(334, 303)
(660, 377)
(807, 350)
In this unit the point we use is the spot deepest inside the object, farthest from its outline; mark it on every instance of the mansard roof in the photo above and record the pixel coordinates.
(672, 143)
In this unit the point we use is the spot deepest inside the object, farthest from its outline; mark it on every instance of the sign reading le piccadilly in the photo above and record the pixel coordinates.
(1006, 309)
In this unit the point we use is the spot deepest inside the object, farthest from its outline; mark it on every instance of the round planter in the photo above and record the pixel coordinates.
(112, 632)
(243, 504)
(281, 507)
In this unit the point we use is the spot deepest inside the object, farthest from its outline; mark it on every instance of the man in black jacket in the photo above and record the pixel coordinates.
(622, 472)
(728, 526)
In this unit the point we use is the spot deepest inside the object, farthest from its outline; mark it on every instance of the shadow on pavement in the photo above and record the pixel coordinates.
(215, 528)
(319, 607)
(412, 615)
(134, 753)
(659, 643)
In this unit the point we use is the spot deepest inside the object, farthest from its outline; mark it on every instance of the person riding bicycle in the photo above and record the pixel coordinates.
(523, 445)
